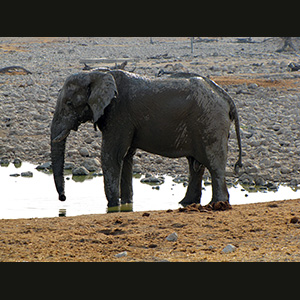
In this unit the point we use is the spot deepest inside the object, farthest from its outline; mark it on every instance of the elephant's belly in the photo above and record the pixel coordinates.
(168, 145)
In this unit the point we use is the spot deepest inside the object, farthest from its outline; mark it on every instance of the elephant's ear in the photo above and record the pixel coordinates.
(103, 89)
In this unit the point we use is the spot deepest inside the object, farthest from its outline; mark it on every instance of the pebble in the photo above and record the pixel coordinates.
(46, 165)
(228, 249)
(84, 152)
(152, 180)
(27, 174)
(92, 164)
(80, 171)
(173, 237)
(121, 254)
(294, 220)
(69, 165)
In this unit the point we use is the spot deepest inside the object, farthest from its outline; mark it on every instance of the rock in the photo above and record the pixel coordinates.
(228, 249)
(4, 161)
(276, 127)
(14, 175)
(30, 82)
(294, 220)
(69, 165)
(89, 140)
(92, 164)
(152, 180)
(80, 171)
(46, 165)
(17, 161)
(246, 179)
(259, 181)
(285, 170)
(293, 182)
(27, 174)
(173, 237)
(136, 169)
(252, 86)
(84, 152)
(121, 254)
(159, 160)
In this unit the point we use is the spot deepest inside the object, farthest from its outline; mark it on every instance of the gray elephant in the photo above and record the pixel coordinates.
(172, 117)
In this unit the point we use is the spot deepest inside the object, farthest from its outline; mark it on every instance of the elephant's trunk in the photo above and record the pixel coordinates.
(58, 160)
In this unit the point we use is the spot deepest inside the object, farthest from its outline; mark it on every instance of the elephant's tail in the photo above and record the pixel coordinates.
(235, 117)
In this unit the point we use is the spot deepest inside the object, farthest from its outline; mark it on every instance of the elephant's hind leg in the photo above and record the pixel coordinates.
(194, 190)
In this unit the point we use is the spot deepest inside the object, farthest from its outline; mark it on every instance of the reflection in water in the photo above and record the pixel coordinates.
(121, 208)
(62, 212)
(30, 197)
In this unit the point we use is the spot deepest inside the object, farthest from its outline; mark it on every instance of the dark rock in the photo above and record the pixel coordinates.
(294, 220)
(46, 165)
(27, 174)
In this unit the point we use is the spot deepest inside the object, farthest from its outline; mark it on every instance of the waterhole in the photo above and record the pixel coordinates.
(35, 196)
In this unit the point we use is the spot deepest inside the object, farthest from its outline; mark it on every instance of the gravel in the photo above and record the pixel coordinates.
(264, 89)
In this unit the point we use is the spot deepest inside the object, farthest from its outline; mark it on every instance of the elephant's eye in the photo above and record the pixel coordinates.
(69, 103)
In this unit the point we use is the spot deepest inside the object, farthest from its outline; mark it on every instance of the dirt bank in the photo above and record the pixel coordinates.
(258, 232)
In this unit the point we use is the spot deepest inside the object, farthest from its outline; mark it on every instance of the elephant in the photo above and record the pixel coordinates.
(172, 117)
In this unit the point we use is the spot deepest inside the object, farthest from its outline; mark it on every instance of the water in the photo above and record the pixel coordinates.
(36, 197)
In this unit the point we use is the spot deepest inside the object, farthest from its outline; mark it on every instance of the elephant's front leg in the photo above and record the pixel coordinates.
(194, 190)
(112, 173)
(126, 179)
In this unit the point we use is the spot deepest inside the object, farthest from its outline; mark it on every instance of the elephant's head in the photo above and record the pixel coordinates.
(83, 98)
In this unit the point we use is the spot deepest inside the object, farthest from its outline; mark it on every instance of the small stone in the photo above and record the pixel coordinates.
(152, 180)
(145, 214)
(30, 82)
(46, 165)
(259, 181)
(27, 174)
(92, 164)
(229, 249)
(294, 220)
(136, 169)
(14, 175)
(80, 171)
(84, 152)
(121, 254)
(252, 86)
(173, 237)
(285, 170)
(17, 161)
(159, 160)
(69, 165)
(293, 182)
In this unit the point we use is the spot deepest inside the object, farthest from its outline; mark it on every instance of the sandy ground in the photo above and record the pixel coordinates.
(259, 232)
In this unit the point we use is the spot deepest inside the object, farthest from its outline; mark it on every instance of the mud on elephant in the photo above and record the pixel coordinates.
(172, 117)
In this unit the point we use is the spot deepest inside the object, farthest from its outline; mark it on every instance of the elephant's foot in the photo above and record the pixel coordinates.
(187, 201)
(126, 200)
(219, 205)
(112, 203)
